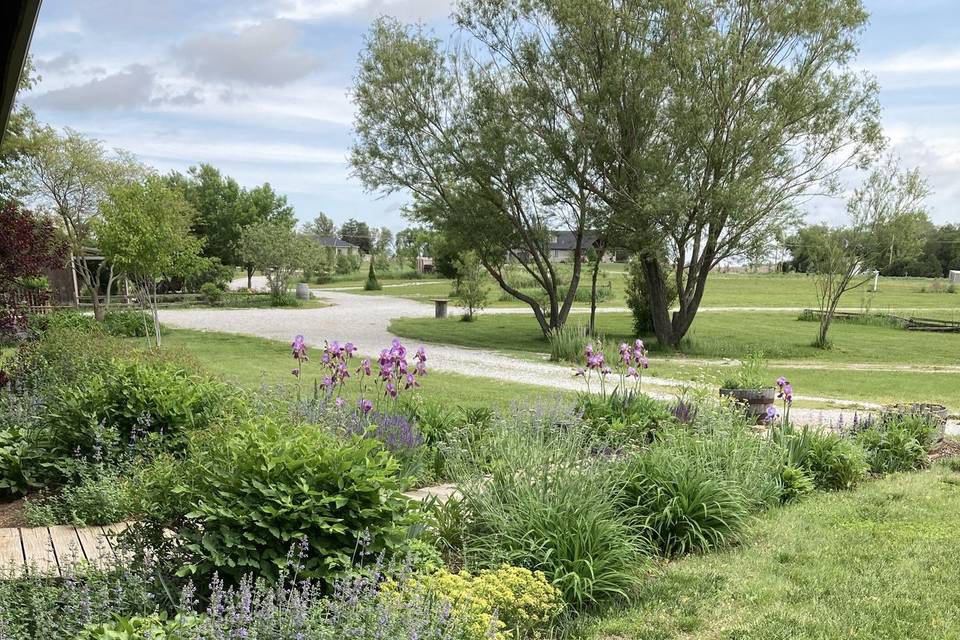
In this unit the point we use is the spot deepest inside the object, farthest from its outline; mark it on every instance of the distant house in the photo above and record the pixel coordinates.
(340, 246)
(563, 243)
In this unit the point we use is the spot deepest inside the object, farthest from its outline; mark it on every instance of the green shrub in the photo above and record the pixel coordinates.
(891, 448)
(512, 601)
(682, 506)
(720, 441)
(372, 284)
(568, 343)
(835, 463)
(952, 463)
(211, 294)
(245, 493)
(128, 324)
(23, 459)
(62, 356)
(538, 498)
(62, 319)
(796, 482)
(155, 627)
(132, 401)
(621, 418)
(97, 498)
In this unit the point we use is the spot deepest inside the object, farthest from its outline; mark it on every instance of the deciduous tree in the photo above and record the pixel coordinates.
(845, 258)
(68, 176)
(145, 233)
(275, 248)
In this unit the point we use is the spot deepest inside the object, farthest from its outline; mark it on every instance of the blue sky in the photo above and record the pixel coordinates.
(259, 88)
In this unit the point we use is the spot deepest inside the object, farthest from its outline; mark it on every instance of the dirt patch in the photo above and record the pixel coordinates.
(945, 449)
(13, 514)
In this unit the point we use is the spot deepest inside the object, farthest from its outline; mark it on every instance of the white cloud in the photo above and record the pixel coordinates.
(310, 10)
(125, 89)
(266, 53)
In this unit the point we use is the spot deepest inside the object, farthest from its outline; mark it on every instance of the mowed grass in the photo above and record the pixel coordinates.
(878, 562)
(767, 290)
(731, 335)
(253, 362)
(721, 334)
(885, 387)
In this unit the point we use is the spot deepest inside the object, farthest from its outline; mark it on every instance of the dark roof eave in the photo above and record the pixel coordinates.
(17, 19)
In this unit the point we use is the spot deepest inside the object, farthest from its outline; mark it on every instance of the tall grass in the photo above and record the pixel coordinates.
(539, 499)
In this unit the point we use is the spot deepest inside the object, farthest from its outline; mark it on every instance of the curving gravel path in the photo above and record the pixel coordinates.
(363, 320)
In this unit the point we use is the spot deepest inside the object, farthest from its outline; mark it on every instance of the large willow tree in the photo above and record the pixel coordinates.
(491, 162)
(691, 127)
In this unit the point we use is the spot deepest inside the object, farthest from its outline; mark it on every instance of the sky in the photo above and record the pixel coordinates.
(260, 89)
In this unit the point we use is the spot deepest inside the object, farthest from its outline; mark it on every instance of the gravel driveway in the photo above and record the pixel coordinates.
(363, 320)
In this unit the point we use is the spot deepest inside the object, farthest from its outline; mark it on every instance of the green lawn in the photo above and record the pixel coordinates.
(781, 336)
(251, 362)
(784, 339)
(878, 562)
(723, 290)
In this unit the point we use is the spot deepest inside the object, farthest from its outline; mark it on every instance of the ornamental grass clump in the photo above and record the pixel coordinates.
(681, 505)
(538, 498)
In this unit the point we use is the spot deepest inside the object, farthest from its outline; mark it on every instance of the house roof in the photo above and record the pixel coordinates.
(567, 240)
(330, 241)
(17, 18)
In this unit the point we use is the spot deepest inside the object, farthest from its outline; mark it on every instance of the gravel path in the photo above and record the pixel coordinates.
(363, 320)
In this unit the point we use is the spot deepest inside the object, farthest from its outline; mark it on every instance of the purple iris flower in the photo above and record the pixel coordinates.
(366, 406)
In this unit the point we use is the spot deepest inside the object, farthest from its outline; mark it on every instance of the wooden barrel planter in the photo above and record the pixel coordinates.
(936, 412)
(754, 401)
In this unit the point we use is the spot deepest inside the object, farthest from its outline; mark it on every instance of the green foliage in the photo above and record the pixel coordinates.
(638, 297)
(97, 497)
(512, 601)
(796, 483)
(23, 459)
(721, 442)
(245, 493)
(35, 606)
(836, 463)
(471, 285)
(538, 498)
(275, 248)
(65, 319)
(568, 342)
(347, 263)
(127, 324)
(622, 418)
(127, 402)
(751, 374)
(682, 506)
(155, 627)
(371, 284)
(211, 294)
(894, 446)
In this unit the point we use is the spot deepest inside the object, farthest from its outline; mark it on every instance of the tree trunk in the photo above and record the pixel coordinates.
(98, 310)
(659, 302)
(249, 277)
(593, 294)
